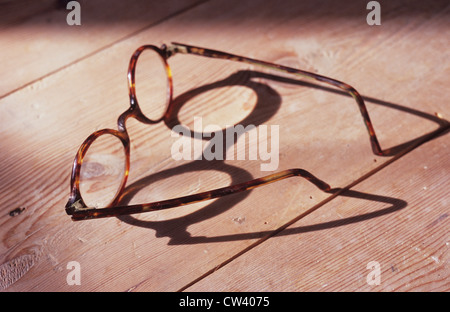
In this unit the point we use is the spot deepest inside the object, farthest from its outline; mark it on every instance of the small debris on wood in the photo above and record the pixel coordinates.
(17, 211)
(239, 220)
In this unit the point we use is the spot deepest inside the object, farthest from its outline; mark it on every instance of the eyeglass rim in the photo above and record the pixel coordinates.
(76, 199)
(131, 77)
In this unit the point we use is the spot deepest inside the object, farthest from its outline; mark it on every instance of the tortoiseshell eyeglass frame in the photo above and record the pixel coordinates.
(78, 209)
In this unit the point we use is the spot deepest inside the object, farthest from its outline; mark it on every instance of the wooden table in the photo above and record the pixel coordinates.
(384, 228)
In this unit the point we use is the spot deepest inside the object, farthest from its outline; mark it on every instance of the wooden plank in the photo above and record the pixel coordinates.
(16, 12)
(320, 131)
(397, 220)
(37, 41)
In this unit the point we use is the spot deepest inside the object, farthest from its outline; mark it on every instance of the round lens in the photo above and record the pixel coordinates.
(102, 171)
(152, 84)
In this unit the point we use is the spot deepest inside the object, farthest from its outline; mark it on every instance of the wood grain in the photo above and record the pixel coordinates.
(44, 120)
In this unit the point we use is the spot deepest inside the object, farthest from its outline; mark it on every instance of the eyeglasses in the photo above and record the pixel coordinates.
(102, 163)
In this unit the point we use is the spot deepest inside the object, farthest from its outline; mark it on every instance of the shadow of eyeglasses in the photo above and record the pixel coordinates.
(286, 229)
(268, 101)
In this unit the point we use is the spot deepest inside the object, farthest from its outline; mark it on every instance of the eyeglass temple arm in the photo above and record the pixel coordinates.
(91, 213)
(188, 49)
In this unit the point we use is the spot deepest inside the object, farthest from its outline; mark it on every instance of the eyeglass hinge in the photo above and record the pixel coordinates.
(173, 49)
